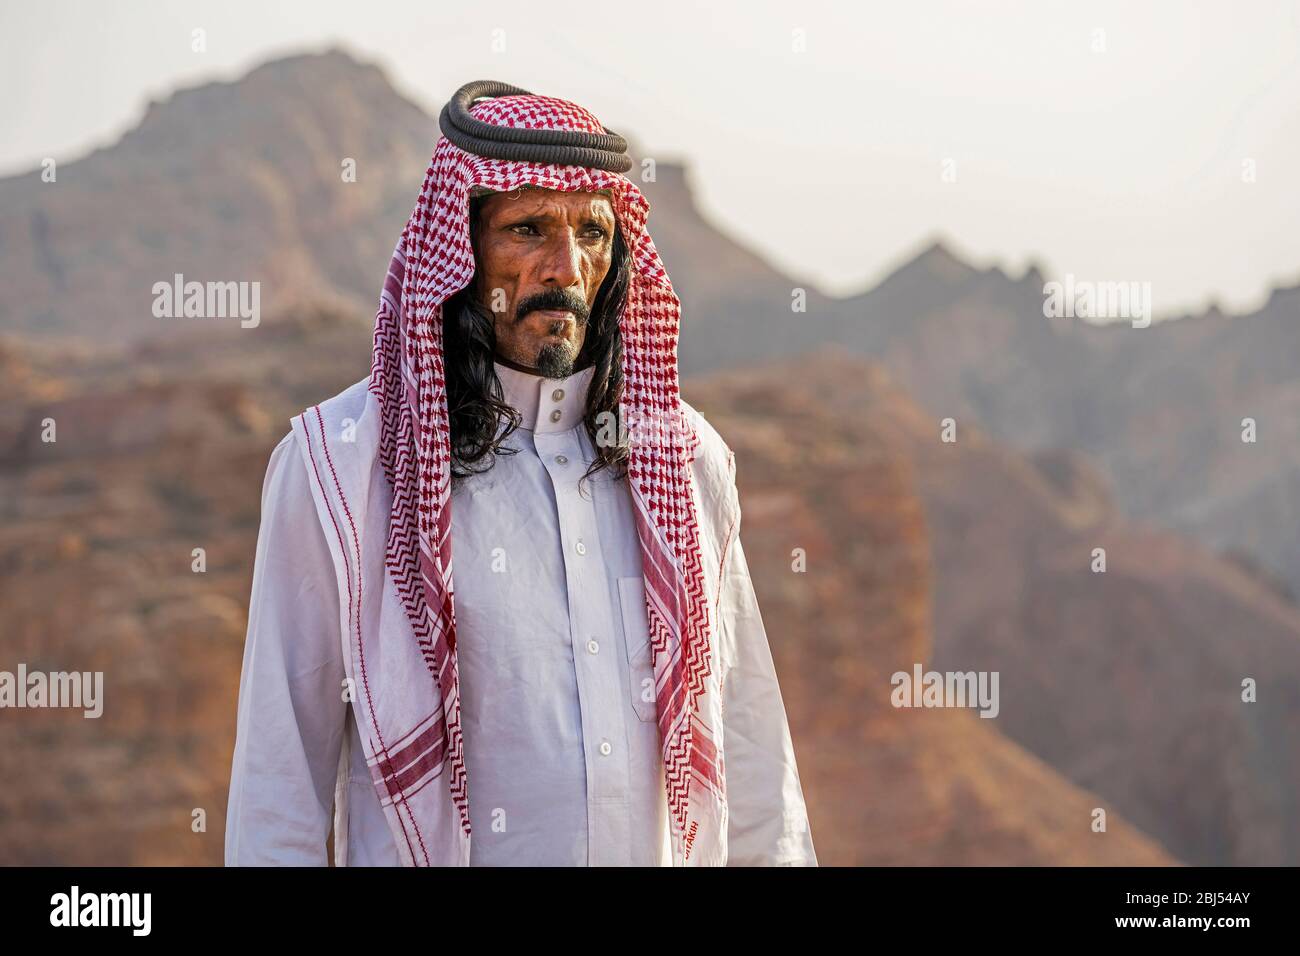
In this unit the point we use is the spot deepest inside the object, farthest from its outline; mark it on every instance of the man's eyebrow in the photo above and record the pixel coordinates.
(601, 215)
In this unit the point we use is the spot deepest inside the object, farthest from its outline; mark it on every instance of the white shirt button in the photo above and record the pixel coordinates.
(557, 394)
(561, 460)
(605, 748)
(580, 548)
(593, 646)
(556, 415)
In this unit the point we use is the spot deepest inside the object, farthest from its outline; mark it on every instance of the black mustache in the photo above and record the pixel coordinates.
(560, 299)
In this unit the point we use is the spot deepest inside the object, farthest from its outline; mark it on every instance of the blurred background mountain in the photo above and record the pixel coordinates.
(1119, 691)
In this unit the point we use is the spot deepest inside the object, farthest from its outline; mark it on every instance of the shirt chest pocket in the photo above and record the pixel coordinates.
(636, 641)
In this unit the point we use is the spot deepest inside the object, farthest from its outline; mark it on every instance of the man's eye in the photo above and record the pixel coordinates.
(595, 232)
(524, 229)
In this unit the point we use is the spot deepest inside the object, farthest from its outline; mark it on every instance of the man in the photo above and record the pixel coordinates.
(594, 686)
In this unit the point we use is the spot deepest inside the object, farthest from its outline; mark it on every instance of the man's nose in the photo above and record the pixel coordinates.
(562, 268)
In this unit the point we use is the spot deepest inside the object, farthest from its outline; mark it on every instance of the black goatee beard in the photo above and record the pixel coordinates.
(555, 361)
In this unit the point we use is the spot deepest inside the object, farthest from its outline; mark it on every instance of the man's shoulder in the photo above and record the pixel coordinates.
(715, 478)
(344, 425)
(714, 460)
(711, 442)
(347, 404)
(313, 429)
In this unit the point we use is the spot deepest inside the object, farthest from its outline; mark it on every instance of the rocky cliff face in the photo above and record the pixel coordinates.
(835, 526)
(154, 459)
(238, 182)
(1127, 681)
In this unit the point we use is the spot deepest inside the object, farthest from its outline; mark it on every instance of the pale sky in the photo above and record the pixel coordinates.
(1107, 139)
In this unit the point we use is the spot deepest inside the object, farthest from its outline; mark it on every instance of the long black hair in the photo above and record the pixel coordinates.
(475, 401)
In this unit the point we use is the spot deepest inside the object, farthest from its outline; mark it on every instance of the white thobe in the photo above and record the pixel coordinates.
(562, 748)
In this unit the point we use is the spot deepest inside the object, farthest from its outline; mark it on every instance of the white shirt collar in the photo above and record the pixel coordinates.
(546, 404)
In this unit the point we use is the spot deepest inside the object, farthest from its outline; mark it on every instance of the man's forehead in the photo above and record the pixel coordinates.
(539, 195)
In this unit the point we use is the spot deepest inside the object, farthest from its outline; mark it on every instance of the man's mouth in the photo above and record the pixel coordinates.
(559, 314)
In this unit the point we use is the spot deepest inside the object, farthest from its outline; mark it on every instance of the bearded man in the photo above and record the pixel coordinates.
(597, 686)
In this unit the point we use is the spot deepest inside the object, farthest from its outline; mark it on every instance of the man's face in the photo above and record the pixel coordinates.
(542, 255)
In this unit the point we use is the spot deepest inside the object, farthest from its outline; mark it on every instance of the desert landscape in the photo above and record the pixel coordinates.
(1120, 691)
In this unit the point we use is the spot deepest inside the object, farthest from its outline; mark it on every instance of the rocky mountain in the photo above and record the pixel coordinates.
(157, 452)
(1127, 681)
(241, 182)
(162, 450)
(1162, 410)
(245, 181)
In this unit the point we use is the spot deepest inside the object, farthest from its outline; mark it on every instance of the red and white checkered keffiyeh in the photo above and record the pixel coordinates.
(432, 261)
